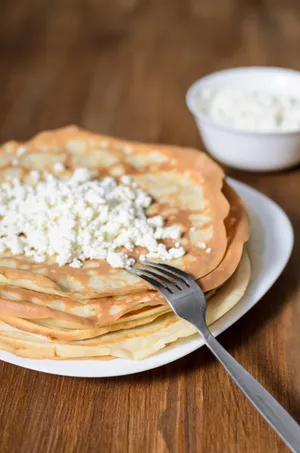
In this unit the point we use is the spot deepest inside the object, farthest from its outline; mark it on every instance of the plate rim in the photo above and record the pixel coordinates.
(188, 345)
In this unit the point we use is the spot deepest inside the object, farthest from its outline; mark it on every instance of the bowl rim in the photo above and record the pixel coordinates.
(194, 88)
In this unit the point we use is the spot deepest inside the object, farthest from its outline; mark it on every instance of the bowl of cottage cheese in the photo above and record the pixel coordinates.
(249, 118)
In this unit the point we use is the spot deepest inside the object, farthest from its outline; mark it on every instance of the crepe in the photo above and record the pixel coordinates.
(186, 186)
(238, 231)
(134, 343)
(59, 312)
(54, 329)
(20, 302)
(95, 312)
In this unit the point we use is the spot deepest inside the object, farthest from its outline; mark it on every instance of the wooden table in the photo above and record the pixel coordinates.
(123, 67)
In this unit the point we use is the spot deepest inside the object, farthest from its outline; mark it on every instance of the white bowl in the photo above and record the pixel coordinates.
(247, 150)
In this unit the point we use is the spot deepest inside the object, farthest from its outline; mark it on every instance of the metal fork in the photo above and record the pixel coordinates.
(187, 300)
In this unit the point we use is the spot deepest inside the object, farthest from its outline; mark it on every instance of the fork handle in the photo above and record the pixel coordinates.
(270, 409)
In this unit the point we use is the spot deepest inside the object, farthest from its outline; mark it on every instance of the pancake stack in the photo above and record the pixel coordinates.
(96, 311)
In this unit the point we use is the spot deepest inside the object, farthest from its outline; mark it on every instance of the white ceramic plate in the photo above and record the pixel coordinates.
(270, 246)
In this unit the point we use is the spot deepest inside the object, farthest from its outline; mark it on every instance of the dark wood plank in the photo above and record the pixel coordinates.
(123, 68)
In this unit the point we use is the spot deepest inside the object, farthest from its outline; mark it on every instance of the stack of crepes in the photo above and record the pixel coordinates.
(96, 311)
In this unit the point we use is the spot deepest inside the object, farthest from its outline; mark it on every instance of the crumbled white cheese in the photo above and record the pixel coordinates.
(250, 110)
(176, 252)
(130, 262)
(59, 167)
(34, 175)
(208, 250)
(80, 175)
(81, 218)
(15, 162)
(126, 179)
(21, 150)
(163, 254)
(156, 221)
(76, 264)
(172, 232)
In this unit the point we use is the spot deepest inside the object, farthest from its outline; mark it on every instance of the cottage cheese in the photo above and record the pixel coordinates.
(81, 218)
(250, 110)
(59, 167)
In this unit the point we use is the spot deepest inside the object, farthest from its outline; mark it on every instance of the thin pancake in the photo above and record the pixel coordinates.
(51, 328)
(23, 303)
(135, 343)
(185, 185)
(238, 231)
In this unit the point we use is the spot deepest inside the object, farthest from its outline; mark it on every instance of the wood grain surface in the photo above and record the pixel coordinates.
(123, 67)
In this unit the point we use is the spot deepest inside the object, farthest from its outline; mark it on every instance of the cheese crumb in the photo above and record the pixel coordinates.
(81, 218)
(15, 162)
(59, 167)
(76, 263)
(208, 250)
(126, 179)
(130, 262)
(156, 221)
(21, 150)
(34, 175)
